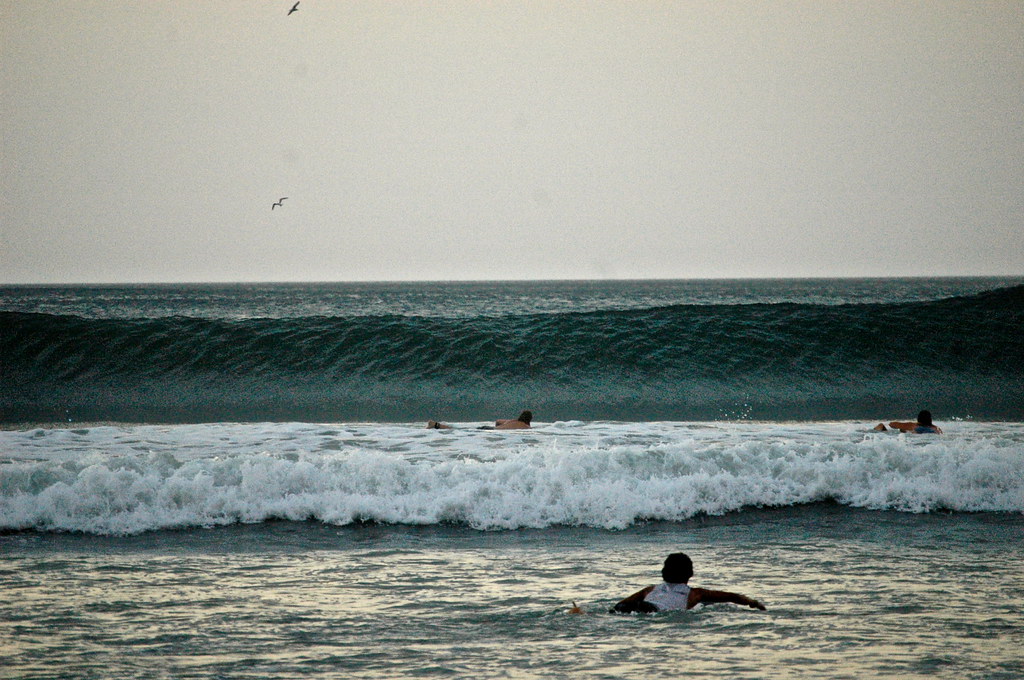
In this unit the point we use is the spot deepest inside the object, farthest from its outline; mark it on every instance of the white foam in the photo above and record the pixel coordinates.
(122, 480)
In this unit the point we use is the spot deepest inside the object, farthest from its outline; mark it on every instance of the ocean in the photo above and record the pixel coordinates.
(236, 481)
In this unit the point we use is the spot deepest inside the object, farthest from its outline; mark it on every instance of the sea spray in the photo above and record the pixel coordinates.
(606, 475)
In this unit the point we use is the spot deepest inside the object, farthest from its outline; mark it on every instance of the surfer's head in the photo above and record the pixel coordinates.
(924, 418)
(678, 568)
(525, 417)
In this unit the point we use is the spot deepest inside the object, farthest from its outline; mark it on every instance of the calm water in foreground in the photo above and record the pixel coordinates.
(851, 594)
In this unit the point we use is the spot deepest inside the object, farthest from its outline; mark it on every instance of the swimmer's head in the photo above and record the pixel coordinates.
(678, 568)
(525, 417)
(924, 417)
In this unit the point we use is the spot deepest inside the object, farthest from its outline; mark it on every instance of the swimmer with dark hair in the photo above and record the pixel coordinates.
(674, 593)
(520, 423)
(923, 425)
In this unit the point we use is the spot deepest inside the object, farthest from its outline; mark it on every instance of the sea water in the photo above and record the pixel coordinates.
(144, 540)
(620, 350)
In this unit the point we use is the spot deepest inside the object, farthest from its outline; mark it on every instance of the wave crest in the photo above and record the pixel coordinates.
(681, 362)
(609, 484)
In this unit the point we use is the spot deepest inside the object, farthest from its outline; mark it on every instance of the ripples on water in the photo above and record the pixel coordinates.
(466, 299)
(856, 594)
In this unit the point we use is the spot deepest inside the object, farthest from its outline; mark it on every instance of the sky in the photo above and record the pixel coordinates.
(477, 140)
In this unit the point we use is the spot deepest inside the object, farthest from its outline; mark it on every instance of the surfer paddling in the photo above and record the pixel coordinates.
(520, 423)
(674, 593)
(923, 425)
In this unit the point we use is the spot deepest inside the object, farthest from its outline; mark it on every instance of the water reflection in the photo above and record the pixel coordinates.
(850, 594)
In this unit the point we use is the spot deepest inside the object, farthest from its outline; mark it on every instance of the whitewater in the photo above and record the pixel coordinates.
(129, 479)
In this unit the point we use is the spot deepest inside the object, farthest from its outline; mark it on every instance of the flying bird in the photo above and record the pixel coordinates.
(295, 8)
(280, 202)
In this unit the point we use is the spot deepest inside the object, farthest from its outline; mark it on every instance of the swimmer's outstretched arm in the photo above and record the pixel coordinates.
(634, 603)
(705, 596)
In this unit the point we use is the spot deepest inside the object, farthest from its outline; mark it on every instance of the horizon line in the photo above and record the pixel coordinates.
(196, 282)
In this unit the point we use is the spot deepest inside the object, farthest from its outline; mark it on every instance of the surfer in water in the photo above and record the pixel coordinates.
(520, 423)
(674, 593)
(923, 425)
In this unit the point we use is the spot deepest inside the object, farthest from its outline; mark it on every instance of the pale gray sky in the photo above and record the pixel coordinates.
(146, 141)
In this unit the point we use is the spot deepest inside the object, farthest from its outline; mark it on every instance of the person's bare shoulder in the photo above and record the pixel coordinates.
(510, 425)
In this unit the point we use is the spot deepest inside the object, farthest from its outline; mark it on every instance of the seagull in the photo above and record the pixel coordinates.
(295, 8)
(280, 202)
